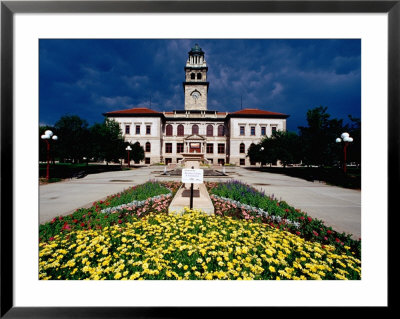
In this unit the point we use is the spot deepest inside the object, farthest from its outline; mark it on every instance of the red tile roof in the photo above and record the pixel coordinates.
(256, 112)
(138, 110)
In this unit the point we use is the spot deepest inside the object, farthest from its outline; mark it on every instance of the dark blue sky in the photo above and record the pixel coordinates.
(90, 77)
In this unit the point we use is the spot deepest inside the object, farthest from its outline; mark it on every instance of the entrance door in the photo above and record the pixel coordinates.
(194, 148)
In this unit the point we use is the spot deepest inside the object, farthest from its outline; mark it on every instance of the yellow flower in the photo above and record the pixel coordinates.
(271, 268)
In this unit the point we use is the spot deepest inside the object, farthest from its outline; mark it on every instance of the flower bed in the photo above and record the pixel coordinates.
(192, 246)
(100, 215)
(237, 199)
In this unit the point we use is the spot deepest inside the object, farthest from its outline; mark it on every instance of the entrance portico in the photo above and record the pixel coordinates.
(195, 144)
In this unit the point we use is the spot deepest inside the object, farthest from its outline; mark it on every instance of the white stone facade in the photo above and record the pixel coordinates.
(221, 137)
(142, 135)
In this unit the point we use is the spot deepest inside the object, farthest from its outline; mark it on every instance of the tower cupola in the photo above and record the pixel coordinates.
(196, 85)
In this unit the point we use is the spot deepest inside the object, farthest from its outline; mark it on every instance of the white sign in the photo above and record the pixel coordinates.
(194, 176)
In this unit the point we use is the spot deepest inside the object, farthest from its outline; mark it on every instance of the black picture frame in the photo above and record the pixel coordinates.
(9, 8)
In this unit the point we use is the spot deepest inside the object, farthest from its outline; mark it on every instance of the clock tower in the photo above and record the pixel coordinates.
(196, 85)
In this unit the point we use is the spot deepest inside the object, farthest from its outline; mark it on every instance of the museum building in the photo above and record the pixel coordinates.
(217, 137)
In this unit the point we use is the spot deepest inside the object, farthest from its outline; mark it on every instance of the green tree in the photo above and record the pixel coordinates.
(137, 152)
(286, 147)
(354, 149)
(282, 145)
(106, 141)
(73, 137)
(318, 138)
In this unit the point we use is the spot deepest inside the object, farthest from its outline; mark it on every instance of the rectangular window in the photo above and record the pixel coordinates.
(179, 147)
(242, 161)
(147, 160)
(127, 129)
(210, 148)
(242, 130)
(221, 161)
(168, 161)
(168, 147)
(221, 148)
(148, 147)
(273, 128)
(210, 160)
(253, 131)
(137, 129)
(148, 129)
(263, 131)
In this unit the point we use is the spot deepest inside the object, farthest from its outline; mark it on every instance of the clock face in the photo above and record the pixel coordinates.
(195, 95)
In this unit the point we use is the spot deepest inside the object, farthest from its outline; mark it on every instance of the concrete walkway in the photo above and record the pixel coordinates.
(337, 207)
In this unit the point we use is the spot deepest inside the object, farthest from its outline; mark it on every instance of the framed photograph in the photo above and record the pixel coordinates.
(26, 25)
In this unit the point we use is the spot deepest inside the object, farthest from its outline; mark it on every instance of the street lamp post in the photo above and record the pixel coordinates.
(261, 149)
(345, 137)
(128, 148)
(46, 137)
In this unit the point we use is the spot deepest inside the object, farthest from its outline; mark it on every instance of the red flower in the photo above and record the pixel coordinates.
(51, 238)
(329, 232)
(75, 221)
(297, 233)
(315, 233)
(82, 224)
(54, 220)
(326, 238)
(286, 210)
(60, 218)
(119, 221)
(309, 219)
(337, 240)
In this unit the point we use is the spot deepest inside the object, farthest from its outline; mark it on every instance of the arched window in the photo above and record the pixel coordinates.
(148, 147)
(195, 129)
(221, 130)
(181, 130)
(242, 148)
(198, 76)
(210, 130)
(192, 76)
(168, 130)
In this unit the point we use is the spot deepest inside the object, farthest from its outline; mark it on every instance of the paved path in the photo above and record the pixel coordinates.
(337, 207)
